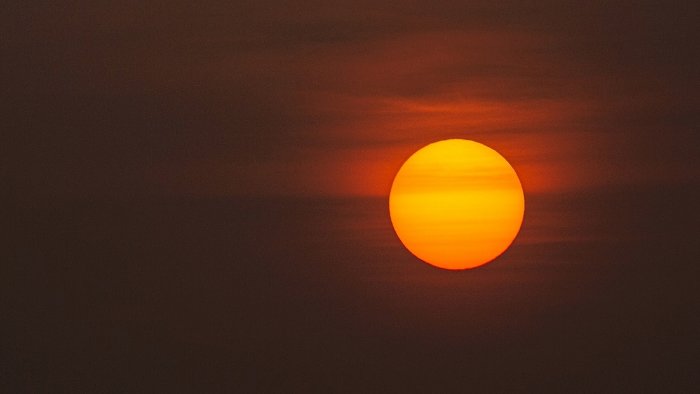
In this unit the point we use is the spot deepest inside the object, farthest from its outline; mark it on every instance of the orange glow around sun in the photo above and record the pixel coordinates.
(456, 204)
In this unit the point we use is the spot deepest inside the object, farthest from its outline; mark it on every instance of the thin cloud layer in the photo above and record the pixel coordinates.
(327, 99)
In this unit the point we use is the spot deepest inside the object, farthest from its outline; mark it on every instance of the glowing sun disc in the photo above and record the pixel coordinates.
(456, 204)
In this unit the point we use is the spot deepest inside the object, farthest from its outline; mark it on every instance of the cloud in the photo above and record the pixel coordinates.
(323, 98)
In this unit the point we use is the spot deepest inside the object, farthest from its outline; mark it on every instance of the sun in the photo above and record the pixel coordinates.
(456, 204)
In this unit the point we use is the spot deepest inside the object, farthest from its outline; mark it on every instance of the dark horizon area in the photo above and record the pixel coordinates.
(318, 294)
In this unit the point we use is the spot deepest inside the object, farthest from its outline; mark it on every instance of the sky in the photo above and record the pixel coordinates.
(200, 190)
(119, 98)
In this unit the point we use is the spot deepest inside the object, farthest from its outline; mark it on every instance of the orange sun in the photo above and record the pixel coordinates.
(456, 204)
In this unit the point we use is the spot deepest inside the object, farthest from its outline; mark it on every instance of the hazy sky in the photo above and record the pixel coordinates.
(328, 98)
(198, 195)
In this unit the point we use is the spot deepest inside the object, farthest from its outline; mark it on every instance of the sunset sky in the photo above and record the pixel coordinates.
(194, 183)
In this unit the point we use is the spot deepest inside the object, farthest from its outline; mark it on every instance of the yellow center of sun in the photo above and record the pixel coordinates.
(456, 204)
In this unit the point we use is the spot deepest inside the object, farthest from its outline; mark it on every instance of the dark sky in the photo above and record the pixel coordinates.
(197, 195)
